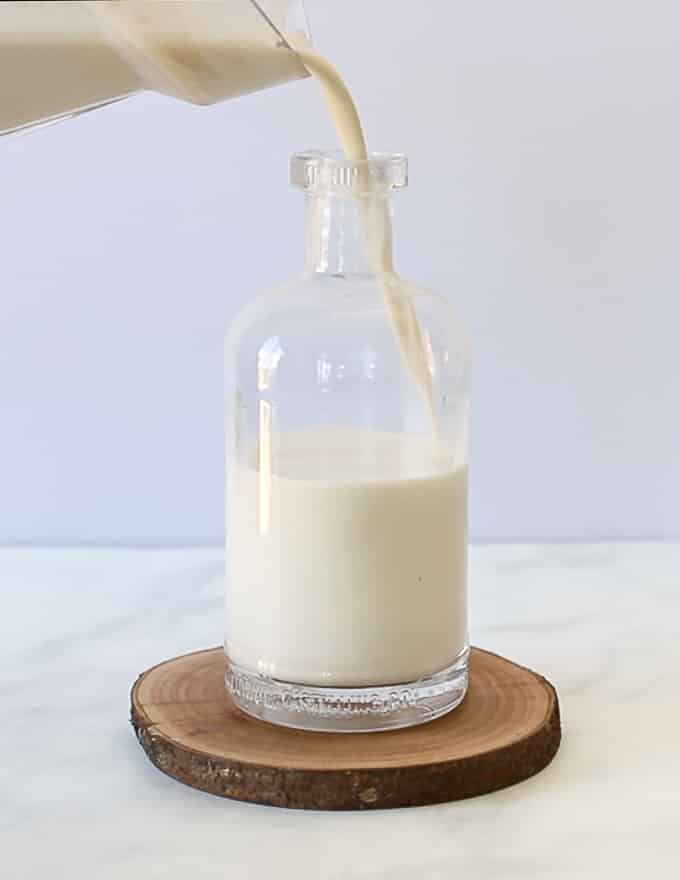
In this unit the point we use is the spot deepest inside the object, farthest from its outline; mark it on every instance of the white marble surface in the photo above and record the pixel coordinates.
(78, 798)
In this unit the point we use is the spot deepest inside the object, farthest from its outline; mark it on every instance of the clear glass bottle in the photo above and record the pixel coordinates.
(346, 589)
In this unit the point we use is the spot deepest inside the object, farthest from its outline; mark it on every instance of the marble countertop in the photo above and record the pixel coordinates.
(78, 798)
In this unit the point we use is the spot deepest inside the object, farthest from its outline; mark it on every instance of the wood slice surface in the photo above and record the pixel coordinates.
(507, 729)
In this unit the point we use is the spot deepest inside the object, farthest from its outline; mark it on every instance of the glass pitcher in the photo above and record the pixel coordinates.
(58, 59)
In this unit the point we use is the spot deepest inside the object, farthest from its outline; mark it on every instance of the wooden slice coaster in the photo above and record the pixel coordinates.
(507, 729)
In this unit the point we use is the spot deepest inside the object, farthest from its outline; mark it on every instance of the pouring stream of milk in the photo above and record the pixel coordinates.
(377, 225)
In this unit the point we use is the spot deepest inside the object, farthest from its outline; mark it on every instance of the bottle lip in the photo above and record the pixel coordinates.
(330, 172)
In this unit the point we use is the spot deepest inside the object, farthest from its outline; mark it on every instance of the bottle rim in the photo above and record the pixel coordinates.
(331, 172)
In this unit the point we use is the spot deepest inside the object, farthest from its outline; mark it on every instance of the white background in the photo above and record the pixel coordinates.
(545, 202)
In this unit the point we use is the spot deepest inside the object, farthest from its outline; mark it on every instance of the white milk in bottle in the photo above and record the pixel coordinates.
(354, 579)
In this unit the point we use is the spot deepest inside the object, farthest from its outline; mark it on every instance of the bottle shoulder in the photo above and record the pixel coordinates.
(360, 304)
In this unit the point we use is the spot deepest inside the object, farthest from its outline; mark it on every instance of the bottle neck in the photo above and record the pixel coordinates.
(348, 236)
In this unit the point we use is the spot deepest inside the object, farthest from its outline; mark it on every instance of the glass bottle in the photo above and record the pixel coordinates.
(346, 586)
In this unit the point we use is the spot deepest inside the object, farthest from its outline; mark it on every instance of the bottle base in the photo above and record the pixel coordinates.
(349, 709)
